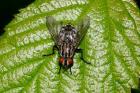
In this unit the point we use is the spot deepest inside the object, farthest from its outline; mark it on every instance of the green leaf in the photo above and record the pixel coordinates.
(112, 45)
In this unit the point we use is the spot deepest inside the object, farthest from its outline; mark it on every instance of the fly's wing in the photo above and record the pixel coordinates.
(82, 29)
(53, 27)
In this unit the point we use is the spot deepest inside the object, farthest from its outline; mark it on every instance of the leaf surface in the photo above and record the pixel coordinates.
(112, 45)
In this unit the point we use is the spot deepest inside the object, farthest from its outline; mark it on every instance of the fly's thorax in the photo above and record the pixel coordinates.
(66, 50)
(66, 62)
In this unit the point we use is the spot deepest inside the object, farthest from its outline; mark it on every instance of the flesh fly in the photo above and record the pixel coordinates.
(67, 39)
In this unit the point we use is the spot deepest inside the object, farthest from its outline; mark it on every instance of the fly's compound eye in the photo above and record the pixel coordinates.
(61, 60)
(70, 62)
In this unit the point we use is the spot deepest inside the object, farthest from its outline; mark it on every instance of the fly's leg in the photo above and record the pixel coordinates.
(70, 71)
(59, 69)
(54, 48)
(81, 51)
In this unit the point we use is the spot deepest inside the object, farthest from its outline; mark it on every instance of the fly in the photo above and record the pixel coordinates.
(67, 39)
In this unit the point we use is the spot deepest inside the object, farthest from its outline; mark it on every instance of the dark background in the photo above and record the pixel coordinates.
(8, 8)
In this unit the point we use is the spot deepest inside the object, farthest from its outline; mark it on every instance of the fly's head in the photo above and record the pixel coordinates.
(66, 63)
